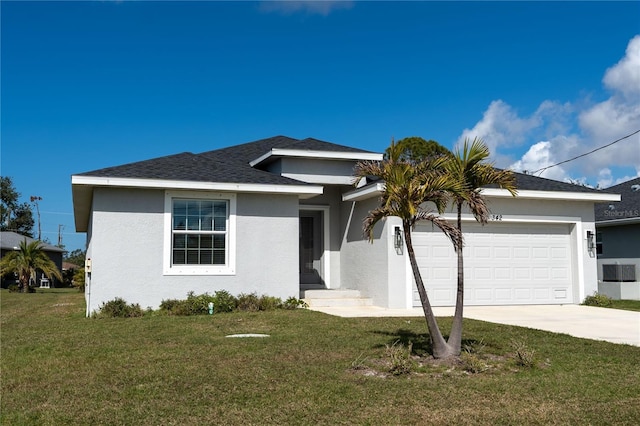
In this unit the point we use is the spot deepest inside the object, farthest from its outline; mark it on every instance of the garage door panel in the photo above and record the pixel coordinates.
(503, 295)
(483, 294)
(504, 264)
(501, 252)
(482, 274)
(502, 273)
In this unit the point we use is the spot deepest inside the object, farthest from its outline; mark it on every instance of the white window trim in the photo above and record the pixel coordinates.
(230, 267)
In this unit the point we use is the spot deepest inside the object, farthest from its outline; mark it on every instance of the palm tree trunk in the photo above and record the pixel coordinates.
(455, 338)
(439, 346)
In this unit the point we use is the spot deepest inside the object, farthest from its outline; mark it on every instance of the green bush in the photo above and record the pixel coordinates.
(199, 304)
(78, 280)
(223, 301)
(172, 305)
(118, 308)
(294, 303)
(269, 303)
(597, 299)
(248, 302)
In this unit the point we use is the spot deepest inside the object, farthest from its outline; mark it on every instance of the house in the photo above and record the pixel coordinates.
(10, 241)
(618, 242)
(281, 215)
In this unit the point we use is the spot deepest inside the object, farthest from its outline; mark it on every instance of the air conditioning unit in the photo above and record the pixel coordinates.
(618, 273)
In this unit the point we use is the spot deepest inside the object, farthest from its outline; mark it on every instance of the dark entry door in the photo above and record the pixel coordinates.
(310, 247)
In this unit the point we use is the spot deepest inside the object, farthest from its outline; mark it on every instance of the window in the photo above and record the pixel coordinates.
(199, 232)
(200, 239)
(598, 242)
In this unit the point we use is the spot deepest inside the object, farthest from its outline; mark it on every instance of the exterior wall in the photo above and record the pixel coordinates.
(332, 172)
(620, 245)
(376, 269)
(126, 244)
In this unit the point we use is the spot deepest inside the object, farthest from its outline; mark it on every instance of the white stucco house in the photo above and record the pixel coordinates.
(280, 215)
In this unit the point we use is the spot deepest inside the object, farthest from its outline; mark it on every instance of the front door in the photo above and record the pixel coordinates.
(310, 243)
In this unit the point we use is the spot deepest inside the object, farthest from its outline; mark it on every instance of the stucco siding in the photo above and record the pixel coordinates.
(127, 245)
(365, 265)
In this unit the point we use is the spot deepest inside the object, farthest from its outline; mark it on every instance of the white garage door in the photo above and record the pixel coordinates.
(505, 264)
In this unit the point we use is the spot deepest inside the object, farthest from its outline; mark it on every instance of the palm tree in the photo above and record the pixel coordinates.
(25, 261)
(409, 184)
(469, 167)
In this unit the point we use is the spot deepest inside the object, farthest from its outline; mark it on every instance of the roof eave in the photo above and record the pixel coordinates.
(618, 222)
(596, 197)
(364, 193)
(82, 190)
(315, 154)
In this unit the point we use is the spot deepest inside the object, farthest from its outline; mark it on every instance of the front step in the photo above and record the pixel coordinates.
(334, 298)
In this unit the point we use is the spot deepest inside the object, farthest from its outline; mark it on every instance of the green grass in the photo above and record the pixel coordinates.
(629, 305)
(61, 368)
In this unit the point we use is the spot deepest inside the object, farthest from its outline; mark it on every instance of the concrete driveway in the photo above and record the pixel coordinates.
(612, 325)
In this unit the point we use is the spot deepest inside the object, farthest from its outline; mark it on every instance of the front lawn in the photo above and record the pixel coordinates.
(629, 305)
(59, 367)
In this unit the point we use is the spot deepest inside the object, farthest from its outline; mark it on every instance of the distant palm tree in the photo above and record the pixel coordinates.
(25, 261)
(469, 167)
(409, 185)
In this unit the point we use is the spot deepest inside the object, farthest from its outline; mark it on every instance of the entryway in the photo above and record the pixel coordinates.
(311, 246)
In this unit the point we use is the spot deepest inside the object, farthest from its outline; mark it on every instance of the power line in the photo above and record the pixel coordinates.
(587, 153)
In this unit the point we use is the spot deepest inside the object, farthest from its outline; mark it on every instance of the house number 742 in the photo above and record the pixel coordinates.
(496, 217)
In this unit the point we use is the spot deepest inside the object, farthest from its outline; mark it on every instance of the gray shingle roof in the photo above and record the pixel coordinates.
(628, 207)
(231, 165)
(10, 240)
(228, 165)
(535, 183)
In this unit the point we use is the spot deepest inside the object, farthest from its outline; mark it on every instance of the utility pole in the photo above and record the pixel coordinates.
(35, 199)
(60, 228)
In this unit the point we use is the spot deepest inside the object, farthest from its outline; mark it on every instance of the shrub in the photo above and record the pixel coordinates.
(223, 301)
(248, 302)
(400, 358)
(118, 308)
(78, 280)
(294, 303)
(171, 305)
(597, 299)
(13, 288)
(472, 363)
(269, 303)
(199, 305)
(525, 356)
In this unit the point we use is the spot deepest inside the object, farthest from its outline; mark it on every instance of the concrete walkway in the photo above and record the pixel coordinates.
(612, 325)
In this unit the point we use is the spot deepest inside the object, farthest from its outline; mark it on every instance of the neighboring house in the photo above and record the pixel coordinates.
(10, 241)
(618, 242)
(280, 215)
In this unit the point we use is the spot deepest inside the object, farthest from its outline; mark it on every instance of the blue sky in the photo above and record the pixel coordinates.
(87, 85)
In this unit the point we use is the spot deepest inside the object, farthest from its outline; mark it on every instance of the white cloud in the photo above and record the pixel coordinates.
(500, 126)
(560, 131)
(539, 156)
(624, 77)
(319, 7)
